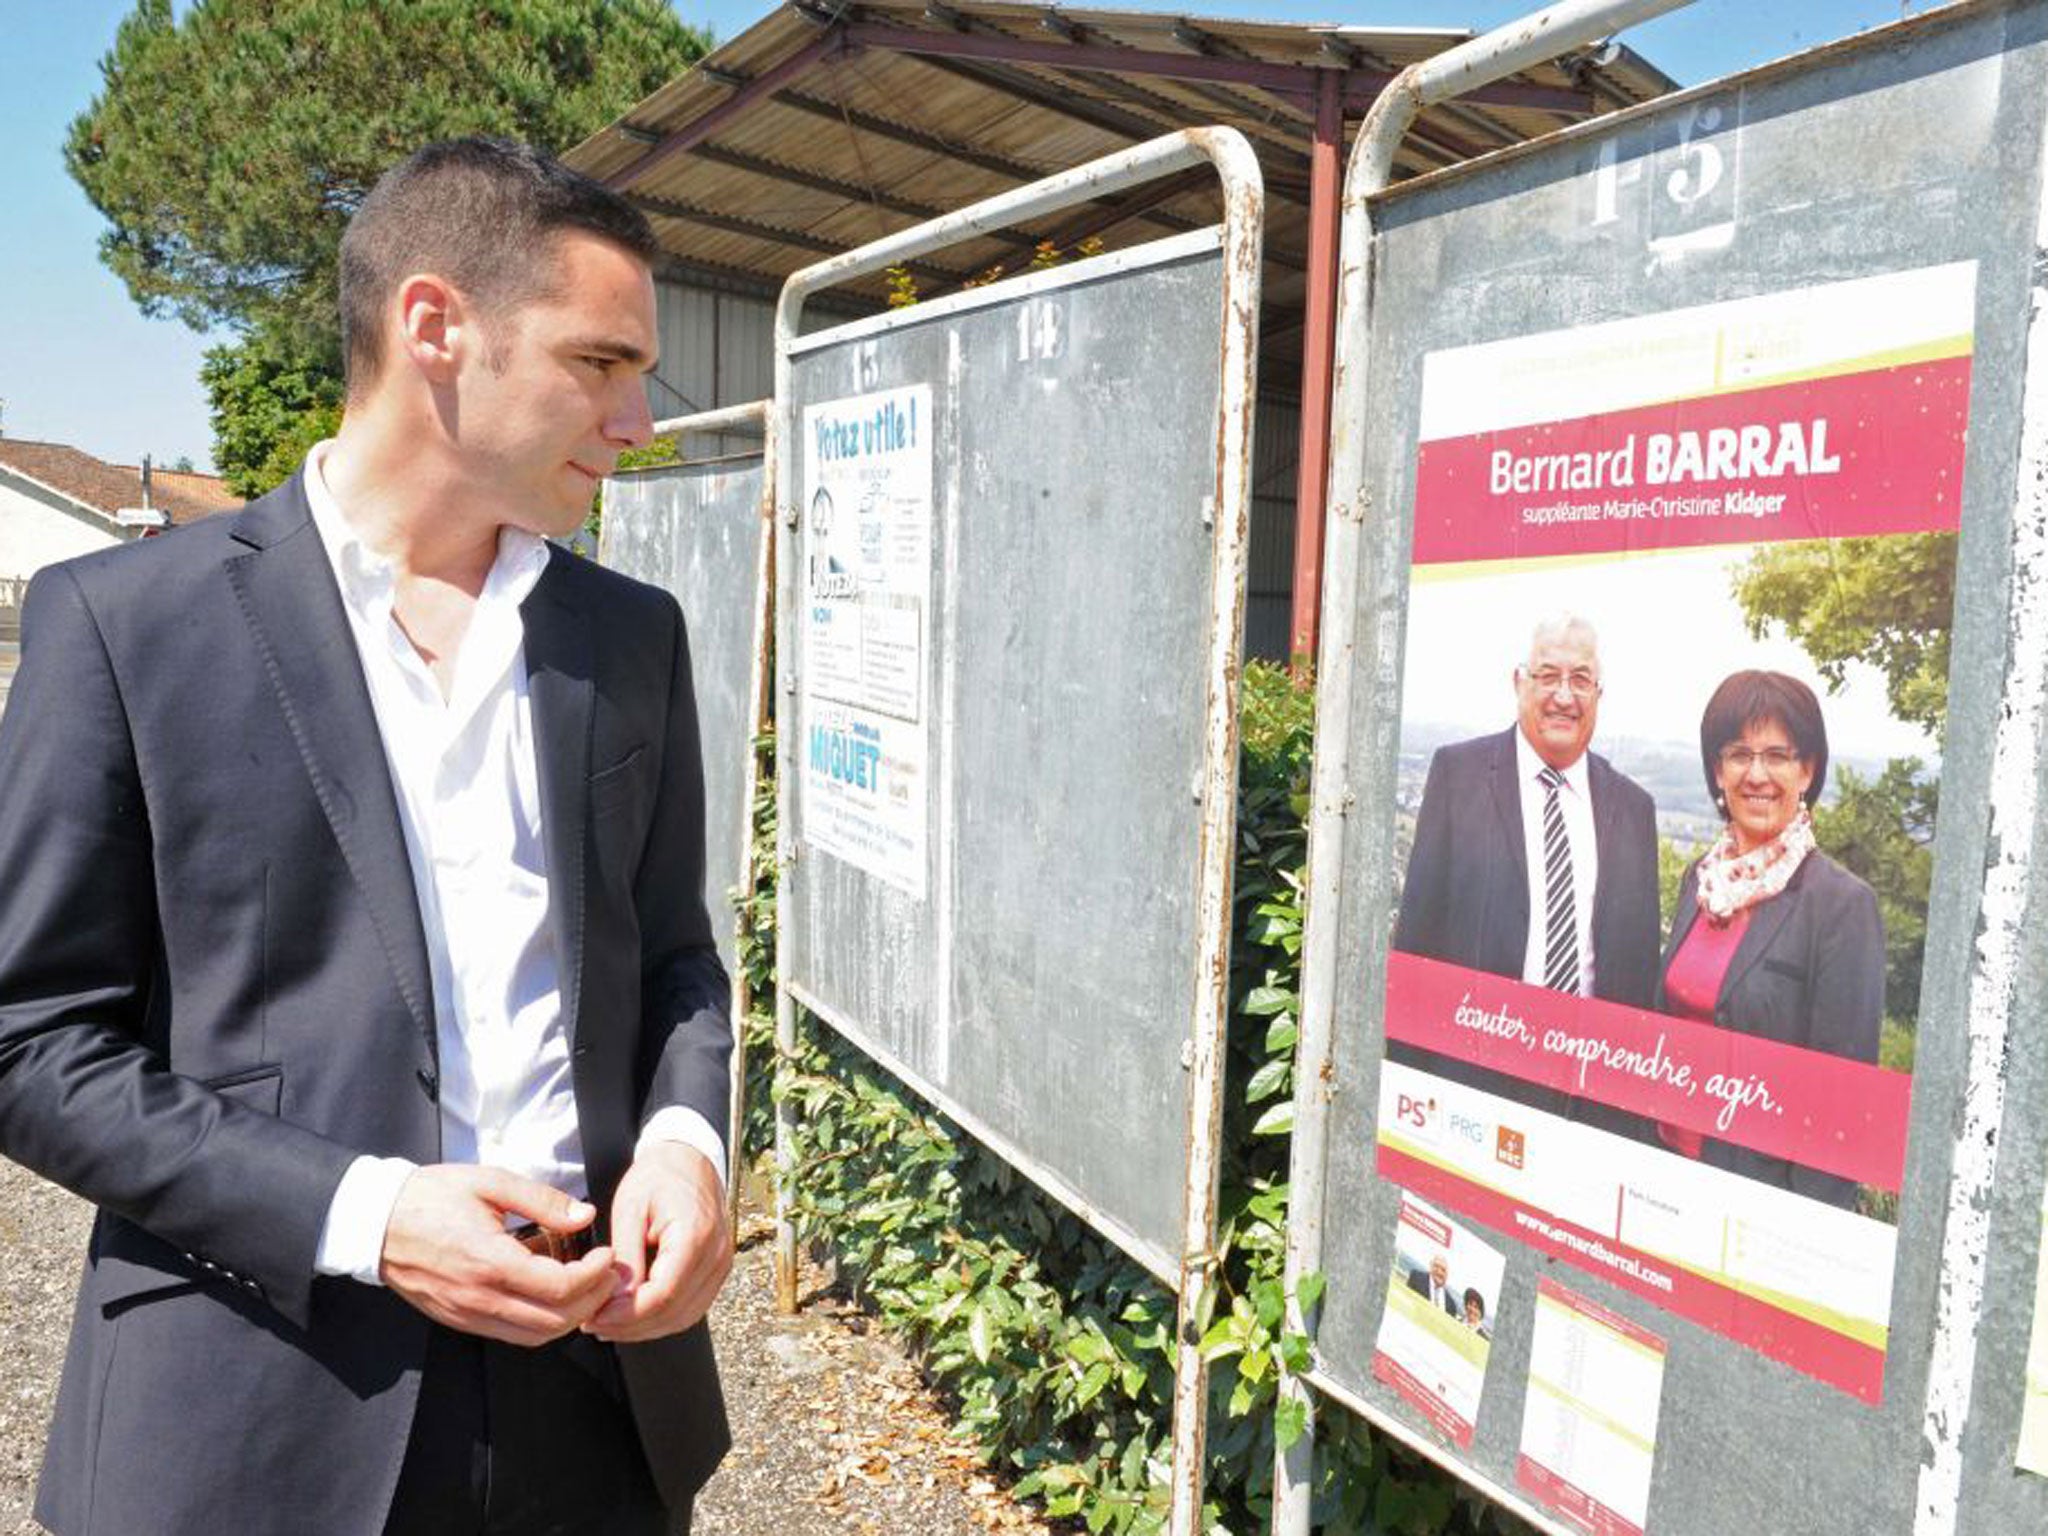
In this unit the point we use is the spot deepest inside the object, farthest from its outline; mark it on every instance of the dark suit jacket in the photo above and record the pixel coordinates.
(1466, 896)
(214, 994)
(1810, 972)
(1418, 1282)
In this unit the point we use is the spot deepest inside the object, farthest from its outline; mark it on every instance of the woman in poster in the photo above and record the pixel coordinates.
(1772, 937)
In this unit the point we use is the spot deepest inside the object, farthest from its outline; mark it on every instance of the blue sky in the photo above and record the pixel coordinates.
(79, 365)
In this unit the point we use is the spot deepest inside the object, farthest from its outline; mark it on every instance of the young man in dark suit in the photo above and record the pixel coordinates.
(354, 919)
(1534, 857)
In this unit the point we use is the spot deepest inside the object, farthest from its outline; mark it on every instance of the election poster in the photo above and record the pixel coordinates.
(1437, 1330)
(865, 584)
(1589, 1419)
(1674, 680)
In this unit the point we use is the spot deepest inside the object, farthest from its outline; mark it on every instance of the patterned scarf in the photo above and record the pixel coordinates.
(1730, 880)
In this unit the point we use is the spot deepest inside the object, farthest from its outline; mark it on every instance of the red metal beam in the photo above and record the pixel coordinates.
(1087, 56)
(698, 129)
(1287, 79)
(1318, 365)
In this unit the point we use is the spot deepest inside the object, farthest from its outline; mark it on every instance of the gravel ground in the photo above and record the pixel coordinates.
(833, 1433)
(42, 1243)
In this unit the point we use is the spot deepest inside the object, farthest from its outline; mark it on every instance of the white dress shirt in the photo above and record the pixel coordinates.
(1575, 800)
(468, 794)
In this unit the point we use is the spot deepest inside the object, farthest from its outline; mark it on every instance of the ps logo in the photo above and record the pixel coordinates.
(1413, 1111)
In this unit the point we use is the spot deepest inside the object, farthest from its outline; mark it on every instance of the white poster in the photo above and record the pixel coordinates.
(1437, 1329)
(1589, 1423)
(865, 626)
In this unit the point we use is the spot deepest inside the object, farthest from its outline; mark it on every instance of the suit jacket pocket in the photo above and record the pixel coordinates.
(259, 1087)
(617, 787)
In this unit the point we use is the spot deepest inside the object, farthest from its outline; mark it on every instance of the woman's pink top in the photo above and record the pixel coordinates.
(1692, 986)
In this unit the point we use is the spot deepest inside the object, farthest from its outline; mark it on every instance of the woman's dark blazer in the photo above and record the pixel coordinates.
(1810, 972)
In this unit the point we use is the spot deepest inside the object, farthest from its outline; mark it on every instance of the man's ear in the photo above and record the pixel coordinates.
(432, 326)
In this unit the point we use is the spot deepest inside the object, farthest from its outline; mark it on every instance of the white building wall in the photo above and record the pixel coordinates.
(35, 531)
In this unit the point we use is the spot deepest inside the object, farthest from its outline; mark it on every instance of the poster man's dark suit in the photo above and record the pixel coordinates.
(1466, 896)
(214, 994)
(1418, 1282)
(1809, 971)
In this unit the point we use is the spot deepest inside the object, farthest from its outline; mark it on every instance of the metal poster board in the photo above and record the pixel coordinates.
(699, 530)
(1672, 916)
(1010, 612)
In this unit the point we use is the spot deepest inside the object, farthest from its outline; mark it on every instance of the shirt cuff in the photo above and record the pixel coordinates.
(352, 1239)
(677, 1123)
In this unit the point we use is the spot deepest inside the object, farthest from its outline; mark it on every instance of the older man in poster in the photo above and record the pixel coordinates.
(1533, 856)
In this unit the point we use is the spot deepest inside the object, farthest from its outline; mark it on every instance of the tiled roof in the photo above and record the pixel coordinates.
(110, 487)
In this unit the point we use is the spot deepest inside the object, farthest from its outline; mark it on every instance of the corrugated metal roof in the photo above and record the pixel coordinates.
(827, 125)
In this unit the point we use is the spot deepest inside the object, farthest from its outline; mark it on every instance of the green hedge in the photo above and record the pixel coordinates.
(1056, 1350)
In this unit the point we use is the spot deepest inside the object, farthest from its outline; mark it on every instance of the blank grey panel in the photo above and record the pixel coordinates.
(1044, 986)
(695, 531)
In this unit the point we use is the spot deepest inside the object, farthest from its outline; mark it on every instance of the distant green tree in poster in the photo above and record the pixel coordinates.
(1887, 601)
(228, 146)
(1882, 828)
(1673, 860)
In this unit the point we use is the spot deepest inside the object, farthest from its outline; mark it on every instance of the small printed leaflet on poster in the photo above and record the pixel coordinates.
(1437, 1330)
(866, 593)
(1589, 1422)
(1620, 533)
(2033, 1447)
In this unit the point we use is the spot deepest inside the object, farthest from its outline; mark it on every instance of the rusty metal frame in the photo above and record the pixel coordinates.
(1349, 565)
(754, 417)
(1232, 159)
(2019, 778)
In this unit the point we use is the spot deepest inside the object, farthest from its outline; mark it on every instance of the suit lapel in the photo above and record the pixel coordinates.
(1598, 775)
(1507, 805)
(1681, 922)
(558, 672)
(285, 587)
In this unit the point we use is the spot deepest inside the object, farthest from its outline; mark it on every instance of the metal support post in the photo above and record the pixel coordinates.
(1318, 353)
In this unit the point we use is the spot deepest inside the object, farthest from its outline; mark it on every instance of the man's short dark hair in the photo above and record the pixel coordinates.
(1752, 698)
(480, 212)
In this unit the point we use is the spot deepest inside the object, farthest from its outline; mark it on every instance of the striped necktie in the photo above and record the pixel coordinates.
(1560, 908)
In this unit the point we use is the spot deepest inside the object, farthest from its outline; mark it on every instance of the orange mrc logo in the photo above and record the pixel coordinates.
(1508, 1147)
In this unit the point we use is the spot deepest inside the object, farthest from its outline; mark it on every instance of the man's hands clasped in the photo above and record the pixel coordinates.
(671, 1243)
(447, 1251)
